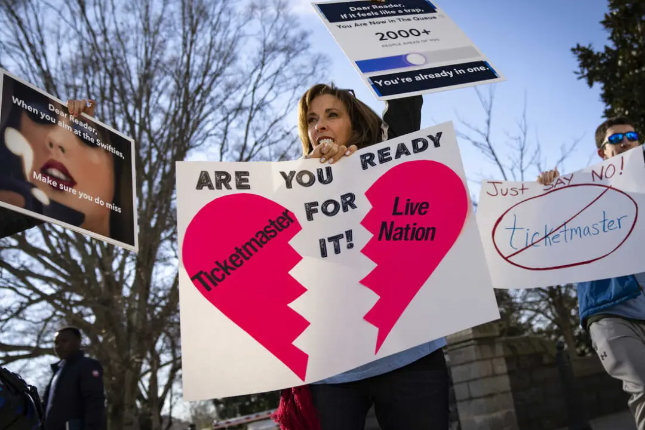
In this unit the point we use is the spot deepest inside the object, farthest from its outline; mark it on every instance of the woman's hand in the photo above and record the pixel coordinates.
(331, 152)
(545, 178)
(78, 107)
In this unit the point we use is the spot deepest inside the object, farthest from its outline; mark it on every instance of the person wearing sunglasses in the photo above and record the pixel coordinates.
(409, 390)
(619, 142)
(613, 310)
(50, 154)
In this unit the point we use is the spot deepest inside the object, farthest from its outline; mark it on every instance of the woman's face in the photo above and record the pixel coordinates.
(62, 156)
(328, 120)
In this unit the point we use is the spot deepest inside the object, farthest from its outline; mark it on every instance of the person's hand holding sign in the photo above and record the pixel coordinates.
(545, 178)
(331, 152)
(78, 107)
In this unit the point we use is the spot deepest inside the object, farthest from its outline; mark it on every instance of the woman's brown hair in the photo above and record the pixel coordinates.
(366, 124)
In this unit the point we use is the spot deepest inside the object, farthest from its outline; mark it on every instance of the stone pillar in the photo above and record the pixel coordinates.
(509, 383)
(481, 381)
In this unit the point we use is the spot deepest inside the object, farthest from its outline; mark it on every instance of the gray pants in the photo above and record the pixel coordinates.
(620, 345)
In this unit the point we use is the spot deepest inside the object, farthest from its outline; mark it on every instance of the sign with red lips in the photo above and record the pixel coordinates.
(74, 172)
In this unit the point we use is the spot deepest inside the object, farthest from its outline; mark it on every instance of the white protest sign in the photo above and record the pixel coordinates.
(584, 226)
(85, 182)
(292, 272)
(406, 47)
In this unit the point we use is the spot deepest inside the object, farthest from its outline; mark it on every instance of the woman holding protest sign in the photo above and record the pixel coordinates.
(409, 390)
(57, 163)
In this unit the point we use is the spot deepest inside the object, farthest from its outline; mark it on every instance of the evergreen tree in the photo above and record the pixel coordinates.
(619, 68)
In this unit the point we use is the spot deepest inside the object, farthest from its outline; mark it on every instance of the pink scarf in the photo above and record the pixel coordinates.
(296, 410)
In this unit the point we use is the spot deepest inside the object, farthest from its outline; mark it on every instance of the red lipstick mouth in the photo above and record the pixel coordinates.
(56, 171)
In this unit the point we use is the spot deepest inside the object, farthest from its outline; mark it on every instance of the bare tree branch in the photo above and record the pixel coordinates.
(184, 79)
(555, 305)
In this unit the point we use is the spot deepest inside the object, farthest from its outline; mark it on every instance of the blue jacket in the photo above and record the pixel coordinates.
(594, 297)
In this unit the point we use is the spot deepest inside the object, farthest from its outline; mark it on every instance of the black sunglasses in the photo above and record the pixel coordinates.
(617, 138)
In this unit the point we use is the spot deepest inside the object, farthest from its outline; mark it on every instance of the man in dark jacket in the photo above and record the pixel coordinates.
(74, 398)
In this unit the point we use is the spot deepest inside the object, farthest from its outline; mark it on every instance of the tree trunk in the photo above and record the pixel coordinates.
(211, 75)
(563, 318)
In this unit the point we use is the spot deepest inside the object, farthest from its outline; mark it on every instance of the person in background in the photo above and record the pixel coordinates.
(20, 407)
(409, 390)
(613, 310)
(74, 398)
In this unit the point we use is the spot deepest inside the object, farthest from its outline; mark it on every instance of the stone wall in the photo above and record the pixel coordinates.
(535, 382)
(602, 395)
(481, 381)
(515, 384)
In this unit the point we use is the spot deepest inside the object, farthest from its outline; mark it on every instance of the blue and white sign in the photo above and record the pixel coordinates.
(403, 48)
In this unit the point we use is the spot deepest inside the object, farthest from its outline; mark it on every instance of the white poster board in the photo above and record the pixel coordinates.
(406, 47)
(584, 226)
(72, 171)
(301, 270)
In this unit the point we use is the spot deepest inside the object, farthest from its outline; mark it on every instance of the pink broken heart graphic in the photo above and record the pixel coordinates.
(418, 211)
(236, 250)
